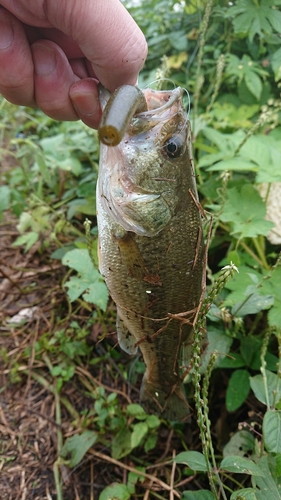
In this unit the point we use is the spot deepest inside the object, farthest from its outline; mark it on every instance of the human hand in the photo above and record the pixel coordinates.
(53, 53)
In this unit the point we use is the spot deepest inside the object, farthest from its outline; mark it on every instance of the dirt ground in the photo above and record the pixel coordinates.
(29, 429)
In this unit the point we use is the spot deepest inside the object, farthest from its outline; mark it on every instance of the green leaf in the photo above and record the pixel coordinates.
(244, 494)
(121, 444)
(236, 164)
(246, 211)
(4, 198)
(253, 83)
(194, 460)
(240, 465)
(115, 491)
(251, 20)
(198, 495)
(78, 445)
(150, 442)
(276, 64)
(268, 487)
(237, 390)
(272, 431)
(139, 432)
(136, 410)
(28, 239)
(273, 388)
(240, 444)
(233, 360)
(90, 283)
(254, 304)
(219, 342)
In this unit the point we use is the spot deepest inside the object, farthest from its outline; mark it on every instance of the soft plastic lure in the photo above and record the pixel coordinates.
(123, 104)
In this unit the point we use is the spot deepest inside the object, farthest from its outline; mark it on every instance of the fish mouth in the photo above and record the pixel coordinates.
(126, 188)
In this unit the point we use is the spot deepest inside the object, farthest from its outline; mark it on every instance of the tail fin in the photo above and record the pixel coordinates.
(170, 404)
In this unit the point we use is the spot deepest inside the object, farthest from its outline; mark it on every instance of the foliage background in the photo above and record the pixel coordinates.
(228, 56)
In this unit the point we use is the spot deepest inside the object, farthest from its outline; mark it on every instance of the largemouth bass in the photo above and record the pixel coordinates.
(151, 245)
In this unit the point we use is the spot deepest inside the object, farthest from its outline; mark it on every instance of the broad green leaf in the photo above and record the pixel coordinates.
(245, 210)
(237, 390)
(150, 442)
(240, 444)
(121, 444)
(139, 432)
(244, 494)
(78, 445)
(216, 342)
(272, 431)
(115, 491)
(153, 421)
(276, 64)
(97, 293)
(240, 465)
(4, 198)
(268, 487)
(198, 495)
(273, 388)
(71, 164)
(136, 410)
(195, 460)
(253, 83)
(233, 360)
(254, 304)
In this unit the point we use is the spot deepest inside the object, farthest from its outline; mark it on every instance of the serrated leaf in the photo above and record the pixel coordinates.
(240, 444)
(78, 445)
(115, 491)
(237, 390)
(246, 212)
(90, 283)
(272, 431)
(194, 460)
(28, 239)
(252, 20)
(240, 465)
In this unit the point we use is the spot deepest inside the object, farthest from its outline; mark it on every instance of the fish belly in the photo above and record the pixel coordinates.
(153, 281)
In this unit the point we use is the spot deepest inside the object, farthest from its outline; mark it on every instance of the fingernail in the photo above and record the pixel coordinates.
(44, 59)
(85, 103)
(6, 31)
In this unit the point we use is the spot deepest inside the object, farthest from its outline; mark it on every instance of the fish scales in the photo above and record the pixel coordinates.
(151, 249)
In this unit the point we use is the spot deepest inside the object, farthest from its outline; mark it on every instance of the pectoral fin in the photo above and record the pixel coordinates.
(131, 255)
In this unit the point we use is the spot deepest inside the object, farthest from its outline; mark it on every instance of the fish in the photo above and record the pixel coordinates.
(151, 244)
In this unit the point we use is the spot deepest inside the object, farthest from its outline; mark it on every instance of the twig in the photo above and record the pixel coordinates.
(163, 485)
(173, 477)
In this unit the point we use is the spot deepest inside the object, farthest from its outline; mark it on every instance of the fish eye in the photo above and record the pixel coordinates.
(173, 146)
